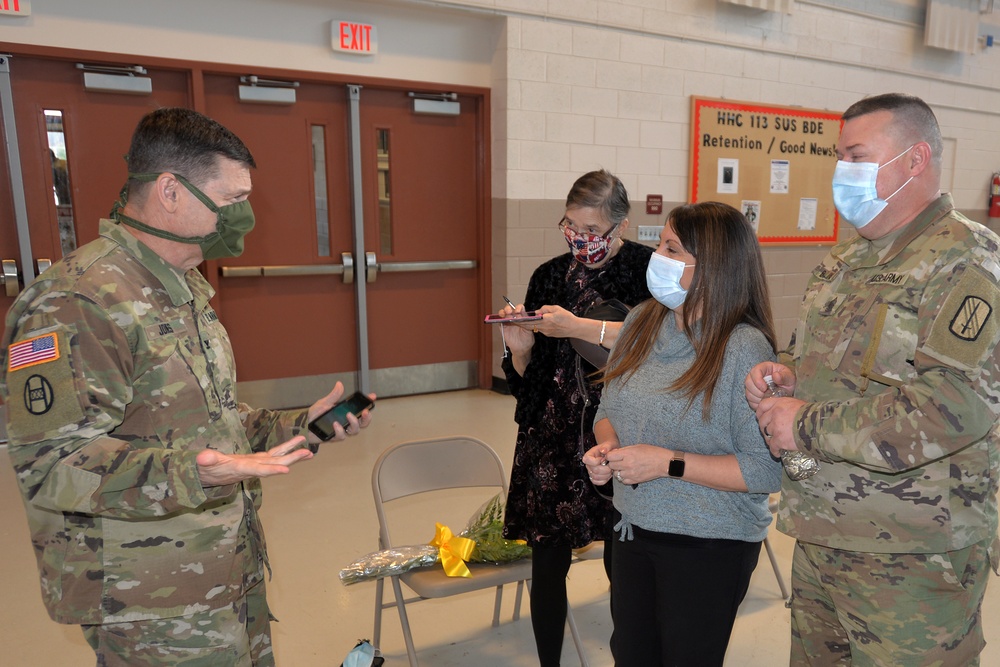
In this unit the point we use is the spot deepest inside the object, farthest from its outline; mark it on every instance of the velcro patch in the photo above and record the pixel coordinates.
(42, 395)
(31, 352)
(967, 328)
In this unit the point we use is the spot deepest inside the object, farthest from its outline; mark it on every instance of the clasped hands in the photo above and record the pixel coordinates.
(629, 465)
(775, 416)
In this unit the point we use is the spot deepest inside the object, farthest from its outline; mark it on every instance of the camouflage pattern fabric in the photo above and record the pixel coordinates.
(116, 372)
(235, 636)
(896, 353)
(853, 608)
(896, 356)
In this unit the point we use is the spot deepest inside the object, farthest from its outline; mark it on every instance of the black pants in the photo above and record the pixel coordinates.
(549, 567)
(676, 598)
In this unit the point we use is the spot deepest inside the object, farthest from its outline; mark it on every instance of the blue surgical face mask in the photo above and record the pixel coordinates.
(854, 190)
(663, 277)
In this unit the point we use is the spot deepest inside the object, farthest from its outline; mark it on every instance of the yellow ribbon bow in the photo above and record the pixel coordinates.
(454, 550)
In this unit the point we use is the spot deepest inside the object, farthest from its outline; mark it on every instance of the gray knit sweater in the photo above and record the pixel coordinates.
(641, 411)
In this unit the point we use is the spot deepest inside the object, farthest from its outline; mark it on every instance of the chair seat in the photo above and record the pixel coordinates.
(593, 551)
(432, 582)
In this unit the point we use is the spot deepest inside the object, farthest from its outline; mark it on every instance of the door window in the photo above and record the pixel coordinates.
(384, 191)
(319, 187)
(61, 190)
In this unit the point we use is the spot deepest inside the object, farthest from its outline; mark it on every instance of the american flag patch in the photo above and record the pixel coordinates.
(33, 351)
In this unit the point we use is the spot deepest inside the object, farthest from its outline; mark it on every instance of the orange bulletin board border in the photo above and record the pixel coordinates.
(774, 163)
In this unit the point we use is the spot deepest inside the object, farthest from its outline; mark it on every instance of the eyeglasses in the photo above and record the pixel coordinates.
(564, 226)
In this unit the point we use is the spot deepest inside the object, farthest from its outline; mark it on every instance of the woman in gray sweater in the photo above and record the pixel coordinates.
(691, 471)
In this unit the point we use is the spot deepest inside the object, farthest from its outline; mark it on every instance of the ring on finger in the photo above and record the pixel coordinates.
(767, 434)
(618, 475)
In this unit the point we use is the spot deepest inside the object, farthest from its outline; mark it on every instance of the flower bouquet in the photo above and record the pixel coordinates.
(482, 541)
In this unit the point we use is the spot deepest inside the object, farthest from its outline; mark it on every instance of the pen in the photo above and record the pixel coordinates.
(509, 302)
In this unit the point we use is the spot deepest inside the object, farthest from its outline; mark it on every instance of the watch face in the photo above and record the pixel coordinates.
(676, 468)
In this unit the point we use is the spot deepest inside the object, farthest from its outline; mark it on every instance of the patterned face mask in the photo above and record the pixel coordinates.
(587, 248)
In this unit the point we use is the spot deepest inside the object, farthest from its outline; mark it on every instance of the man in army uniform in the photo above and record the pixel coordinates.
(894, 373)
(140, 471)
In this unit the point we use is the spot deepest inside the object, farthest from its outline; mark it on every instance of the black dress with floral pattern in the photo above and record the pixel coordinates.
(551, 501)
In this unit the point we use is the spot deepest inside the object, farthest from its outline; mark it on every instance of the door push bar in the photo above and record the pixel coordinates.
(346, 269)
(10, 276)
(372, 268)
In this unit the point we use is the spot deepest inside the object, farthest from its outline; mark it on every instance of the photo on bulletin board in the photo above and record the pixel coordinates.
(773, 163)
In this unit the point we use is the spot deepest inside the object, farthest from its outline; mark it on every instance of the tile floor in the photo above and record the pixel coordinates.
(320, 517)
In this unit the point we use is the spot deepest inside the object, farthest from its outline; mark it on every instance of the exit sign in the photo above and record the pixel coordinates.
(15, 7)
(349, 37)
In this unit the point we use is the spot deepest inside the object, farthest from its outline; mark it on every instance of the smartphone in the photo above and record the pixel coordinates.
(527, 316)
(355, 404)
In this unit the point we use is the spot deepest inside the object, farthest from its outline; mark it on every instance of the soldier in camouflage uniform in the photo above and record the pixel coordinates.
(138, 467)
(894, 371)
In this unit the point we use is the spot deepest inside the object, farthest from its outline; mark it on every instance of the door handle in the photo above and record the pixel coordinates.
(443, 265)
(43, 264)
(9, 277)
(345, 268)
(373, 267)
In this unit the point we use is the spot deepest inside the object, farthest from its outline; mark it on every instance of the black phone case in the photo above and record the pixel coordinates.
(318, 432)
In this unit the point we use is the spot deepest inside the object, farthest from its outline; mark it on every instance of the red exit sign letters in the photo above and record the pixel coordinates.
(15, 7)
(351, 37)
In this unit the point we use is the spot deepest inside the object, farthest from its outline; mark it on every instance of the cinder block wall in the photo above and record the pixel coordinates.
(583, 84)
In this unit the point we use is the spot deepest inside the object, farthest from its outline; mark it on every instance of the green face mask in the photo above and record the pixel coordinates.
(233, 222)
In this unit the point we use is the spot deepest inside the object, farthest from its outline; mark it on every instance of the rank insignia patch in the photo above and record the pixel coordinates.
(970, 319)
(32, 352)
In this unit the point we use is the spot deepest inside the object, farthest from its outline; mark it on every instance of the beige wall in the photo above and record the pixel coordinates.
(582, 85)
(578, 85)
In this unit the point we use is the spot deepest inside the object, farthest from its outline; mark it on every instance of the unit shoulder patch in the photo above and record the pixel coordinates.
(42, 393)
(970, 318)
(966, 328)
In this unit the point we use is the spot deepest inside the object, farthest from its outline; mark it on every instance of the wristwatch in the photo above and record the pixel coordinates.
(676, 467)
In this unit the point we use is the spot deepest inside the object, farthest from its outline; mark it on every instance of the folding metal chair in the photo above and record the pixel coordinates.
(423, 467)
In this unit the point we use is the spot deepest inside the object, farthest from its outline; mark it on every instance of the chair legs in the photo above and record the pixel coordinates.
(517, 600)
(377, 632)
(777, 571)
(404, 621)
(497, 600)
(577, 639)
(574, 630)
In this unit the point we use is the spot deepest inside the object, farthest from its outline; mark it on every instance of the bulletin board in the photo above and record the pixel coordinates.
(774, 163)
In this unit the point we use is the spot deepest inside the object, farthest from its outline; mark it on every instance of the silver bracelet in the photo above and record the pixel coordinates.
(604, 327)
